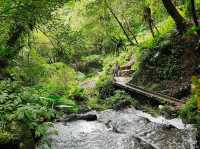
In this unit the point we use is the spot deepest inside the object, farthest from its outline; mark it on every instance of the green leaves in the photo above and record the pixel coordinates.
(22, 105)
(105, 87)
(20, 17)
(42, 129)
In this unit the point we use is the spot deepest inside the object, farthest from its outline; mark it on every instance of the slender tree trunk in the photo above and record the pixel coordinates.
(12, 48)
(195, 19)
(156, 28)
(151, 29)
(178, 19)
(134, 36)
(129, 30)
(118, 21)
(149, 20)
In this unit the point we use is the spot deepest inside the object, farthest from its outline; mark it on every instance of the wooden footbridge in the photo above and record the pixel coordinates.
(123, 82)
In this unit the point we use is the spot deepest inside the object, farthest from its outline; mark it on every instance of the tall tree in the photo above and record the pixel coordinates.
(195, 19)
(149, 20)
(178, 19)
(21, 17)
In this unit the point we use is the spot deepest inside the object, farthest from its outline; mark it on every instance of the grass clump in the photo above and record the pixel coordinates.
(105, 87)
(189, 112)
(119, 100)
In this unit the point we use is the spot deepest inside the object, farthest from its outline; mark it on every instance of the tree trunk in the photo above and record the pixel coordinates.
(129, 29)
(3, 65)
(195, 19)
(178, 19)
(11, 47)
(148, 19)
(11, 44)
(15, 36)
(118, 21)
(151, 29)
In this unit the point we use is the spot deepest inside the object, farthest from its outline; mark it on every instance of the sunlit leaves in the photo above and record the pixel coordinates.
(19, 17)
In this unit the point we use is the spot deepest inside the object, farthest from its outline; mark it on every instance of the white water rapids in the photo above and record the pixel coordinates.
(127, 129)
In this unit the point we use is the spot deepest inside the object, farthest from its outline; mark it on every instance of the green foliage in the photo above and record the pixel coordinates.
(120, 96)
(105, 87)
(148, 42)
(55, 83)
(89, 65)
(189, 111)
(20, 17)
(29, 67)
(93, 61)
(76, 93)
(118, 99)
(68, 44)
(51, 44)
(93, 104)
(168, 111)
(110, 60)
(192, 30)
(22, 105)
(57, 78)
(72, 106)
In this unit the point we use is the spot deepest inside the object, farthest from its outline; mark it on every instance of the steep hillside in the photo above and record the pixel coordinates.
(168, 67)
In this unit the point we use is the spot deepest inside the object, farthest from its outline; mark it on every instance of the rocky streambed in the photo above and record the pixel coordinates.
(127, 129)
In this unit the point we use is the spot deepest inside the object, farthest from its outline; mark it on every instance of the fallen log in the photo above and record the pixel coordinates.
(75, 117)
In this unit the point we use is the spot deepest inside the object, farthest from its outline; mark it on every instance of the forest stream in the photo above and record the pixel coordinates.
(127, 129)
(92, 74)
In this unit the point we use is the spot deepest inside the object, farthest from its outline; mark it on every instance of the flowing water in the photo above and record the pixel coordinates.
(127, 129)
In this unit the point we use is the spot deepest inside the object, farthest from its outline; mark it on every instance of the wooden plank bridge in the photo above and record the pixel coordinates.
(123, 82)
